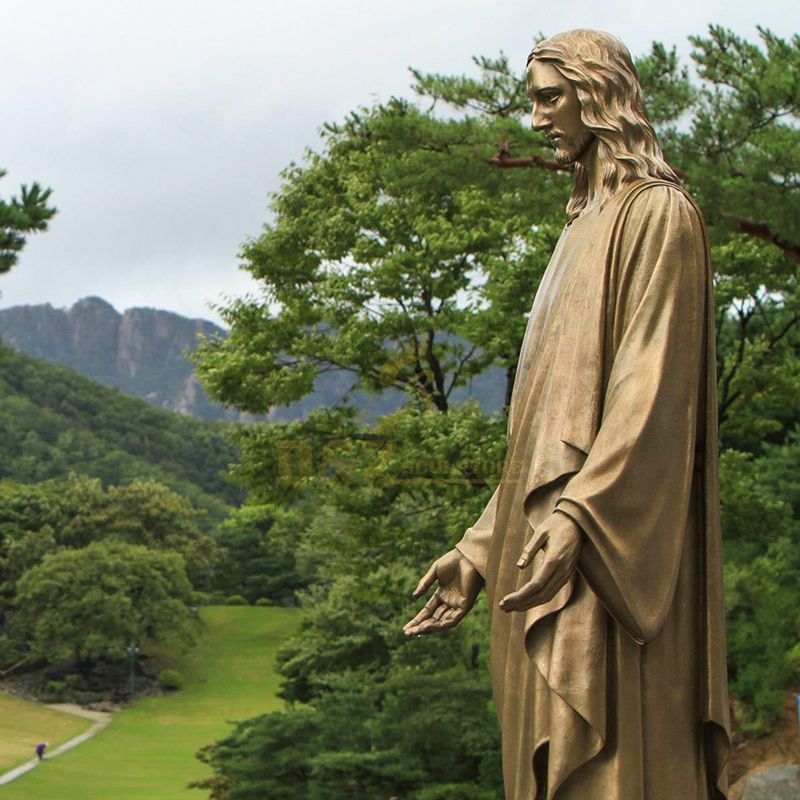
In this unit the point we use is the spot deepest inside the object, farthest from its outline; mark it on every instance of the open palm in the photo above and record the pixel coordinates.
(459, 584)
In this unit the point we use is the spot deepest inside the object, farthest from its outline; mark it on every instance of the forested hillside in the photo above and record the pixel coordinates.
(54, 421)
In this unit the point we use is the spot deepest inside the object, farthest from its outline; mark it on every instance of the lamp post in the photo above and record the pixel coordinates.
(132, 651)
(797, 698)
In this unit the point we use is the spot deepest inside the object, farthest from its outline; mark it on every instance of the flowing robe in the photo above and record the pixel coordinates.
(616, 689)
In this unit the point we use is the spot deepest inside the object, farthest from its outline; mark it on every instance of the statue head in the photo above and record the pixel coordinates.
(612, 112)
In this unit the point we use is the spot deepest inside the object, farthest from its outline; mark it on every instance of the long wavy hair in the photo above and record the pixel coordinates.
(612, 108)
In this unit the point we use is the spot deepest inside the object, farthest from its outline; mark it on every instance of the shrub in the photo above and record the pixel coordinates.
(170, 679)
(264, 601)
(454, 791)
(236, 600)
(202, 598)
(55, 690)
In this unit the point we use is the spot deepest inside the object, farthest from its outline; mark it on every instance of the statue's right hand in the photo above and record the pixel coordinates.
(459, 584)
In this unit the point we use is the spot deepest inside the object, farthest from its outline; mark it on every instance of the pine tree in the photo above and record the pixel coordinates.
(20, 216)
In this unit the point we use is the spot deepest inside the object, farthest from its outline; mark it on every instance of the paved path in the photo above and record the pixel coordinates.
(101, 719)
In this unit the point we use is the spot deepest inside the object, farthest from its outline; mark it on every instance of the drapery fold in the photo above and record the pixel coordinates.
(631, 496)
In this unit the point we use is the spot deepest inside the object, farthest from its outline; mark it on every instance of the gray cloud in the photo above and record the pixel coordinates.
(162, 126)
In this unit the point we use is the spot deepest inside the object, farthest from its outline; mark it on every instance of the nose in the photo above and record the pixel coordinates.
(539, 120)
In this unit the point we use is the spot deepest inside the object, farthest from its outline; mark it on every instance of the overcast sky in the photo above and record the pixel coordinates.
(162, 126)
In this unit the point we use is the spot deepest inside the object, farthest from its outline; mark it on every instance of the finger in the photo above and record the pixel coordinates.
(413, 628)
(423, 615)
(434, 602)
(536, 543)
(436, 607)
(419, 618)
(426, 582)
(515, 601)
(550, 589)
(538, 590)
(426, 612)
(425, 628)
(520, 600)
(452, 617)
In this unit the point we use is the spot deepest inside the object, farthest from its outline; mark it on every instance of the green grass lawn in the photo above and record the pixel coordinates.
(147, 752)
(23, 725)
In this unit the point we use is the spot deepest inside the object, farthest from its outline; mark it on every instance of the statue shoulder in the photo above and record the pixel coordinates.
(658, 197)
(659, 214)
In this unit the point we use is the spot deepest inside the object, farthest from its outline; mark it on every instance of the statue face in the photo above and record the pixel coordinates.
(557, 111)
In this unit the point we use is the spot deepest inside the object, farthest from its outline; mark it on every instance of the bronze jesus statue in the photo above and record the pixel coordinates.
(600, 550)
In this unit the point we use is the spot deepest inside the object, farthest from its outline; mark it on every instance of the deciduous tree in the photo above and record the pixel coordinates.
(93, 602)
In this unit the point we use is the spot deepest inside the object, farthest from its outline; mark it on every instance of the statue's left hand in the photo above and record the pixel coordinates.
(560, 539)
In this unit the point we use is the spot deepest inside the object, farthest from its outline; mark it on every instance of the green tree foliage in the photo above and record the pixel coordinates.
(92, 602)
(57, 519)
(761, 569)
(20, 216)
(150, 514)
(367, 739)
(741, 159)
(259, 561)
(54, 421)
(391, 238)
(268, 756)
(41, 519)
(406, 254)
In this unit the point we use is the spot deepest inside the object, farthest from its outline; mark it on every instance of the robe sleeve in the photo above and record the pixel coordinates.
(631, 497)
(474, 545)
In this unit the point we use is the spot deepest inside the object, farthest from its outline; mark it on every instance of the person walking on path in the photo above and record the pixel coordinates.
(40, 748)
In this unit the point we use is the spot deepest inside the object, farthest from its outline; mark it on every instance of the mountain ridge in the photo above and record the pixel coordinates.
(140, 351)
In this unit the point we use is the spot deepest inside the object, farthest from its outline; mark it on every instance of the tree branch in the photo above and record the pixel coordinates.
(750, 227)
(760, 230)
(726, 399)
(457, 371)
(503, 159)
(439, 396)
(16, 666)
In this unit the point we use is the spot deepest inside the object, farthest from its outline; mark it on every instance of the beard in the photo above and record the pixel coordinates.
(568, 151)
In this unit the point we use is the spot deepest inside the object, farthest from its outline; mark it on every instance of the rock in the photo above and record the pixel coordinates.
(87, 698)
(778, 783)
(141, 352)
(147, 669)
(106, 706)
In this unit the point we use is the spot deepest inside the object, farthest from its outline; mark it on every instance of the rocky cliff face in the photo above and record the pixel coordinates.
(140, 352)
